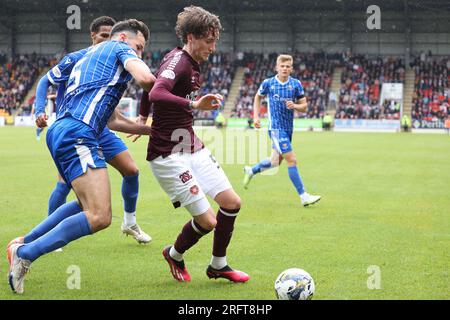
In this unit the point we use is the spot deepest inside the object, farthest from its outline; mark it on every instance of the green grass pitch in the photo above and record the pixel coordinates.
(386, 205)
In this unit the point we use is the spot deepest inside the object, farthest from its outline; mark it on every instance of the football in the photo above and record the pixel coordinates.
(294, 284)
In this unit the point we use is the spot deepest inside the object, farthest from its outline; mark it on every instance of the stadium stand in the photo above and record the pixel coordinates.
(431, 88)
(362, 77)
(17, 76)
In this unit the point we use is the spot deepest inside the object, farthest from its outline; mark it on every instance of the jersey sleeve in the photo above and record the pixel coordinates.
(173, 72)
(169, 75)
(125, 53)
(299, 92)
(264, 88)
(61, 72)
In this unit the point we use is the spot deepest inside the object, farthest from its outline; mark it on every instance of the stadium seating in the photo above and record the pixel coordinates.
(431, 88)
(362, 77)
(17, 76)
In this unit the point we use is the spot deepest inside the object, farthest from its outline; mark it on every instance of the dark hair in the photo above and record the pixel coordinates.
(132, 25)
(101, 21)
(197, 21)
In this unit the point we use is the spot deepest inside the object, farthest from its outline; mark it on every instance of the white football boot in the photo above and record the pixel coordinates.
(309, 199)
(18, 268)
(136, 232)
(248, 175)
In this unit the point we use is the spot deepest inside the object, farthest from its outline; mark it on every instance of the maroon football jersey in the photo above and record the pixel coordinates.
(177, 83)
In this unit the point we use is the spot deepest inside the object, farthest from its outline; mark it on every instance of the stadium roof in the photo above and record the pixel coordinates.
(173, 6)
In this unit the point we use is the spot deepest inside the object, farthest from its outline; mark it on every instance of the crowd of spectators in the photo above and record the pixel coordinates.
(361, 81)
(431, 88)
(17, 76)
(358, 98)
(314, 70)
(216, 76)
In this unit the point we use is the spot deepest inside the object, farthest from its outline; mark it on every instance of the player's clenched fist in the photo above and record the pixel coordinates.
(41, 120)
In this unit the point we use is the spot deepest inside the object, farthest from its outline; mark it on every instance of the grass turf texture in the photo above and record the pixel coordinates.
(385, 203)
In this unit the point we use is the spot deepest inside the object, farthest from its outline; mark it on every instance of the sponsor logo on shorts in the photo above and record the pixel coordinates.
(185, 176)
(100, 153)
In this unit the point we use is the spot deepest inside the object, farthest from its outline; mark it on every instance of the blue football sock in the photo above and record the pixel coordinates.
(263, 165)
(296, 179)
(52, 221)
(58, 197)
(68, 230)
(39, 131)
(130, 191)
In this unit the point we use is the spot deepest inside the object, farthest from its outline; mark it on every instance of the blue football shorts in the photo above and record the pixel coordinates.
(281, 140)
(111, 144)
(74, 147)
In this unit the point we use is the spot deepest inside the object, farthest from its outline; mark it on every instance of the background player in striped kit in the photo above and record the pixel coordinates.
(114, 149)
(95, 86)
(285, 94)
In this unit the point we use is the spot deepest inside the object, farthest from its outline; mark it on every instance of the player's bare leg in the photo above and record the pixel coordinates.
(306, 198)
(93, 191)
(124, 163)
(230, 204)
(273, 162)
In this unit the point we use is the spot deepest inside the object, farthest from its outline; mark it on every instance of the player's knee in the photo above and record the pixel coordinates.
(130, 171)
(234, 203)
(100, 219)
(292, 162)
(208, 222)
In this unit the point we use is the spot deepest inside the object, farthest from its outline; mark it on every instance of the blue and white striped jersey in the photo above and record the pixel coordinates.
(59, 74)
(277, 92)
(97, 82)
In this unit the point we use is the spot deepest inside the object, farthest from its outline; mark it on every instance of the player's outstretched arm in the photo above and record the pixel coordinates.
(118, 122)
(141, 73)
(256, 104)
(41, 95)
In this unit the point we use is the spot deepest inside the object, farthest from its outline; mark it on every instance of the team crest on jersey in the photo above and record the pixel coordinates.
(56, 71)
(194, 190)
(169, 74)
(290, 87)
(68, 61)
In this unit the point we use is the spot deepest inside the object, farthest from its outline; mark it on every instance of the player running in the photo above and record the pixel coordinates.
(95, 86)
(115, 151)
(183, 166)
(285, 94)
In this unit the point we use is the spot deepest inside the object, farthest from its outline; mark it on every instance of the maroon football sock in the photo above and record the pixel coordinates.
(224, 231)
(190, 234)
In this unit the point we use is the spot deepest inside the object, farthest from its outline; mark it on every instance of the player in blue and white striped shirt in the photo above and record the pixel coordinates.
(94, 89)
(114, 149)
(285, 94)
